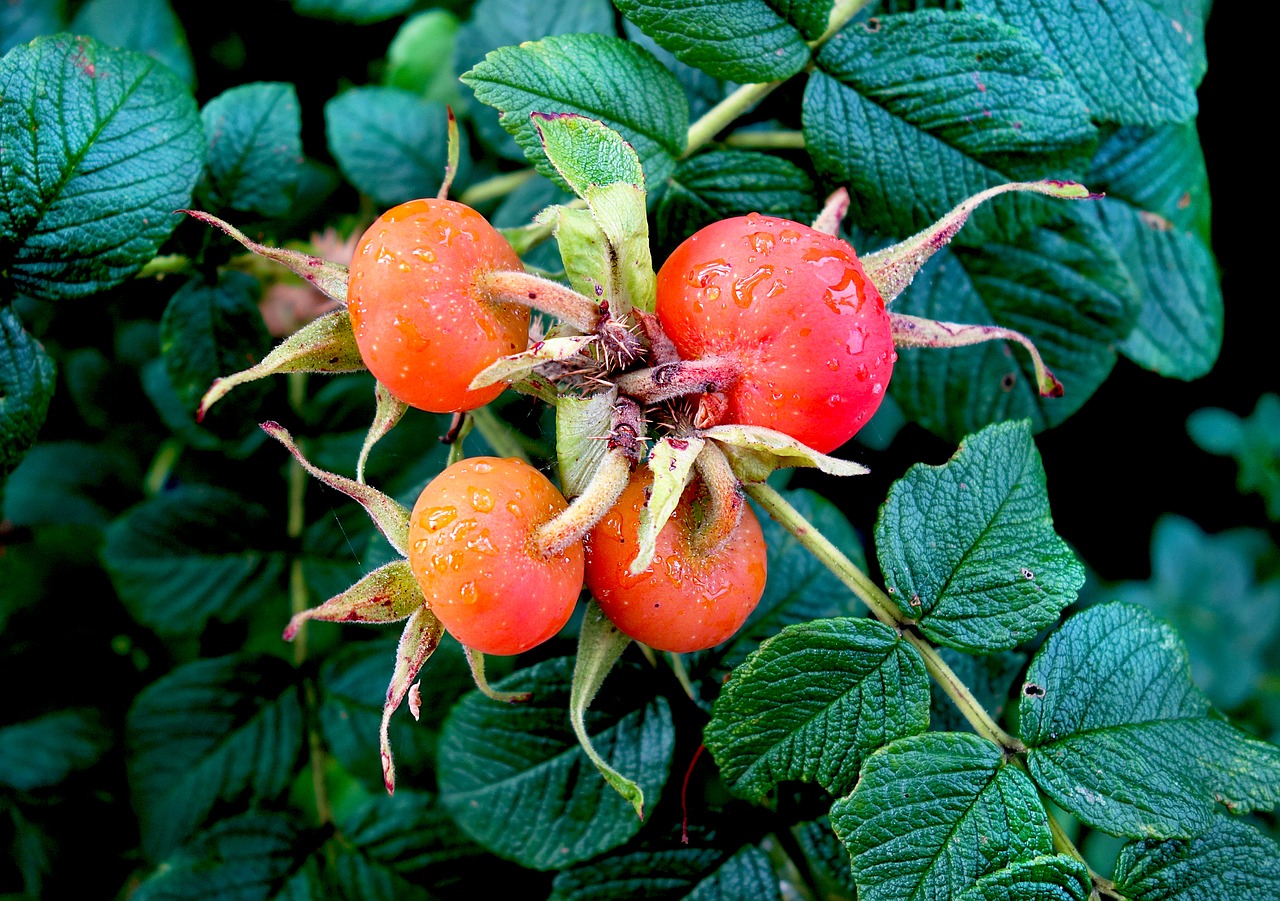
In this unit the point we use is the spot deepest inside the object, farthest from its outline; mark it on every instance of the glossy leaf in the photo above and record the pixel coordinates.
(389, 143)
(255, 147)
(1231, 860)
(27, 380)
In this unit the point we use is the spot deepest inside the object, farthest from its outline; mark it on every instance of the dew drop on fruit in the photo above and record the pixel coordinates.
(761, 242)
(806, 332)
(857, 338)
(744, 287)
(482, 467)
(675, 571)
(426, 254)
(702, 277)
(420, 545)
(789, 236)
(481, 499)
(513, 508)
(437, 518)
(467, 593)
(482, 544)
(833, 364)
(877, 388)
(833, 400)
(862, 373)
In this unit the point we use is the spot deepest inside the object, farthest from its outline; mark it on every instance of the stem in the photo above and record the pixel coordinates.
(170, 264)
(162, 465)
(767, 140)
(672, 380)
(498, 433)
(841, 13)
(959, 693)
(722, 115)
(493, 188)
(1063, 844)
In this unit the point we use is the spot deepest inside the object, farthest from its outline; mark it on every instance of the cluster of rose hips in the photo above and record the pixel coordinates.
(758, 321)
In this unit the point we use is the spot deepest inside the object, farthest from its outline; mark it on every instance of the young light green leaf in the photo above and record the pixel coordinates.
(586, 152)
(361, 12)
(1056, 878)
(420, 56)
(1254, 442)
(569, 74)
(391, 144)
(120, 148)
(1127, 57)
(1121, 738)
(812, 702)
(147, 26)
(190, 555)
(997, 111)
(693, 873)
(736, 40)
(223, 728)
(27, 381)
(935, 813)
(499, 763)
(1232, 859)
(250, 857)
(968, 548)
(671, 462)
(255, 147)
(774, 450)
(600, 645)
(723, 183)
(43, 751)
(1063, 288)
(389, 594)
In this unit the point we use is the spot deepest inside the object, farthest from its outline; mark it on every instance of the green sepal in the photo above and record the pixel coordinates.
(671, 462)
(387, 595)
(756, 453)
(421, 636)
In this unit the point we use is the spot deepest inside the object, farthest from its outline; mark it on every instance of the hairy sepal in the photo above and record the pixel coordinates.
(755, 453)
(418, 642)
(386, 414)
(387, 595)
(913, 331)
(475, 660)
(510, 368)
(672, 463)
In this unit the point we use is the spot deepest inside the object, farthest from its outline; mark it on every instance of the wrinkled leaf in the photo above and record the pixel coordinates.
(255, 147)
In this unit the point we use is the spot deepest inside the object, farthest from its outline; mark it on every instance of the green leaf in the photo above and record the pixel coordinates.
(70, 482)
(693, 873)
(27, 380)
(592, 75)
(933, 107)
(255, 147)
(799, 588)
(1254, 442)
(24, 20)
(147, 26)
(505, 23)
(42, 752)
(989, 678)
(193, 554)
(1125, 57)
(420, 57)
(361, 12)
(826, 856)
(935, 813)
(723, 183)
(968, 548)
(1208, 587)
(812, 702)
(1065, 288)
(586, 153)
(411, 834)
(736, 40)
(498, 765)
(252, 857)
(1121, 738)
(220, 729)
(579, 424)
(1232, 860)
(1056, 878)
(389, 143)
(1156, 170)
(101, 146)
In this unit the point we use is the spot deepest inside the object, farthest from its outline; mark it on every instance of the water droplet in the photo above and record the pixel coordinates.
(482, 467)
(833, 400)
(712, 293)
(743, 287)
(426, 254)
(420, 545)
(761, 242)
(675, 571)
(857, 340)
(481, 499)
(833, 364)
(467, 593)
(806, 332)
(702, 277)
(513, 508)
(878, 388)
(862, 373)
(789, 236)
(437, 518)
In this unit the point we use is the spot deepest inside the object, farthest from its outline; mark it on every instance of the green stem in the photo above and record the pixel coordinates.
(493, 188)
(959, 693)
(841, 13)
(170, 264)
(767, 140)
(1063, 844)
(720, 116)
(162, 465)
(498, 433)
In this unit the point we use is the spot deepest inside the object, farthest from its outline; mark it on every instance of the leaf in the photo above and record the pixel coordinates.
(190, 555)
(812, 702)
(1231, 860)
(579, 424)
(1056, 878)
(148, 26)
(697, 873)
(586, 153)
(1254, 442)
(968, 548)
(43, 751)
(723, 183)
(1120, 737)
(410, 833)
(1124, 56)
(255, 147)
(989, 678)
(548, 350)
(24, 20)
(251, 857)
(220, 729)
(420, 56)
(934, 813)
(62, 482)
(592, 75)
(1064, 288)
(1210, 589)
(768, 450)
(1156, 170)
(389, 143)
(735, 40)
(101, 146)
(499, 764)
(826, 856)
(671, 460)
(388, 594)
(27, 381)
(932, 107)
(361, 12)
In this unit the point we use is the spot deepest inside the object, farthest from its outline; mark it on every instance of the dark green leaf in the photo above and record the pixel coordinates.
(738, 40)
(255, 147)
(27, 380)
(70, 482)
(1064, 288)
(212, 330)
(100, 147)
(23, 20)
(668, 874)
(1126, 57)
(934, 813)
(593, 75)
(812, 702)
(1232, 860)
(723, 183)
(221, 729)
(1121, 738)
(826, 855)
(253, 857)
(933, 107)
(703, 90)
(1254, 442)
(500, 765)
(232, 429)
(1057, 878)
(411, 834)
(1156, 170)
(358, 11)
(1208, 588)
(44, 751)
(505, 23)
(389, 143)
(988, 677)
(799, 587)
(147, 26)
(192, 554)
(968, 548)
